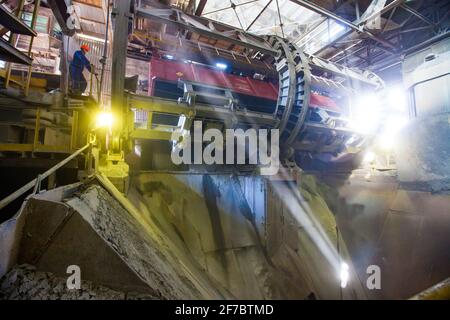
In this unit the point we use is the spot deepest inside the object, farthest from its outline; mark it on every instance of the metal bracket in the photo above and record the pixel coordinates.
(37, 186)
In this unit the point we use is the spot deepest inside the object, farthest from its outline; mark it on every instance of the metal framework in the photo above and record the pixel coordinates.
(362, 49)
(14, 24)
(37, 146)
(379, 31)
(122, 20)
(358, 28)
(294, 89)
(11, 54)
(297, 72)
(60, 12)
(205, 27)
(35, 184)
(8, 52)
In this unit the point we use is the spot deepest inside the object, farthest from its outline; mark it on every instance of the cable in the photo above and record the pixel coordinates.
(233, 6)
(279, 17)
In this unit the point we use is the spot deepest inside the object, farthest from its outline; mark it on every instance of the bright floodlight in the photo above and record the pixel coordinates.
(104, 120)
(221, 66)
(344, 275)
(397, 99)
(388, 136)
(169, 57)
(369, 157)
(366, 114)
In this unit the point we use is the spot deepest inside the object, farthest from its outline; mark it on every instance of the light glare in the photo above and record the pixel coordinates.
(104, 120)
(344, 275)
(366, 114)
(221, 66)
(397, 99)
(369, 157)
(390, 132)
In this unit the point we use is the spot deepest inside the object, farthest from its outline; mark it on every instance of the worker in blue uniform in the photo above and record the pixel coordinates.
(79, 62)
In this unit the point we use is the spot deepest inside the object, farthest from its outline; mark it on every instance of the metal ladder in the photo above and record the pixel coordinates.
(15, 25)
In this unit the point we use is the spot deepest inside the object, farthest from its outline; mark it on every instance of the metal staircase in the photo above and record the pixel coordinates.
(13, 24)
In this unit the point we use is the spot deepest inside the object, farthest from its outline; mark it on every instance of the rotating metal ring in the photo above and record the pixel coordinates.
(294, 88)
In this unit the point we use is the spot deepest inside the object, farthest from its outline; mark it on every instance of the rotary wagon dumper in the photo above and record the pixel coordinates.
(261, 83)
(138, 224)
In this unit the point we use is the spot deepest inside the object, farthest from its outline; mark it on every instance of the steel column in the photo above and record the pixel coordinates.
(37, 5)
(200, 7)
(122, 17)
(12, 40)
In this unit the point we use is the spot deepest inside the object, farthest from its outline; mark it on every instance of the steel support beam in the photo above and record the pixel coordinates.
(122, 17)
(202, 26)
(349, 54)
(14, 24)
(59, 9)
(385, 9)
(418, 15)
(358, 28)
(332, 43)
(427, 43)
(259, 15)
(201, 7)
(373, 9)
(232, 6)
(11, 54)
(340, 70)
(318, 23)
(311, 29)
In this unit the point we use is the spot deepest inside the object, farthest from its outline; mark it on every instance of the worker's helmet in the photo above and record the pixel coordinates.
(85, 47)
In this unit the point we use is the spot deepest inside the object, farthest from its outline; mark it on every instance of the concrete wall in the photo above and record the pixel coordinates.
(245, 235)
(423, 156)
(403, 232)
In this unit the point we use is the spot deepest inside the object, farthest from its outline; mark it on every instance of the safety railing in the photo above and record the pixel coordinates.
(91, 82)
(37, 146)
(35, 184)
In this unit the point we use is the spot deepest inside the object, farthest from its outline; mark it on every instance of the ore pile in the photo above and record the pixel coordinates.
(24, 282)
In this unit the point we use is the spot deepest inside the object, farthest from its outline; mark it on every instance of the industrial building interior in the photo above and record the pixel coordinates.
(99, 98)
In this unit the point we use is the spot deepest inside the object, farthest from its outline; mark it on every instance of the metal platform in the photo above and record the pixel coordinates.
(15, 25)
(10, 54)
